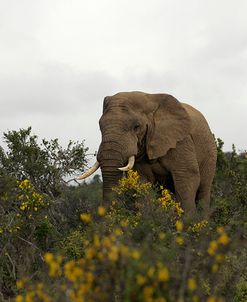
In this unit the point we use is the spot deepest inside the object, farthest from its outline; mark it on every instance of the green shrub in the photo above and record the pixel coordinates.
(57, 244)
(144, 253)
(32, 178)
(241, 291)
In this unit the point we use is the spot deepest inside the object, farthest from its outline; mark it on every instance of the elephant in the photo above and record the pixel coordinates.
(166, 141)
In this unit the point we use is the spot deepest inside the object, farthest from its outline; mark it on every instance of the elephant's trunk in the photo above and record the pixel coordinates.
(113, 154)
(110, 180)
(110, 159)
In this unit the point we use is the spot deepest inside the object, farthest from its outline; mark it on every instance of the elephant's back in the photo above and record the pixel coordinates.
(201, 134)
(198, 121)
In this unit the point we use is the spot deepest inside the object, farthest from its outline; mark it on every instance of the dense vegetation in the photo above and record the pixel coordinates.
(58, 243)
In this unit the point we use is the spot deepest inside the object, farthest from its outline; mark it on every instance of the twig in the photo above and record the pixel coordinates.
(70, 180)
(28, 242)
(12, 218)
(13, 265)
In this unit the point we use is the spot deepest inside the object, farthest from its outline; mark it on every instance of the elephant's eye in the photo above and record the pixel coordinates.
(136, 126)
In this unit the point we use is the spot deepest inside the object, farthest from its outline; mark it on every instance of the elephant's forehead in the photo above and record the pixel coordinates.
(118, 114)
(121, 107)
(133, 102)
(127, 100)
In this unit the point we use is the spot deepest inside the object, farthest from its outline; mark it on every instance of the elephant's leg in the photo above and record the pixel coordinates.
(203, 197)
(183, 165)
(186, 186)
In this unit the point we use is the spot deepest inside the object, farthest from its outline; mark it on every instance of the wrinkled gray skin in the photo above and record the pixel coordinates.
(171, 141)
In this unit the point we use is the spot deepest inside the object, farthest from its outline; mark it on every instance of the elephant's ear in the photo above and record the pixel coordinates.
(170, 124)
(105, 103)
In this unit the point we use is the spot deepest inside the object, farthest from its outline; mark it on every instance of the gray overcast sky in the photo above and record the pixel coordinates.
(59, 58)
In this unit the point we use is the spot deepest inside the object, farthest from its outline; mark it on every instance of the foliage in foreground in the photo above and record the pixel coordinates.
(136, 249)
(139, 249)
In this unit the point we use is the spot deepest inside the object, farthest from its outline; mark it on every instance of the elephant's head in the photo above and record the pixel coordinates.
(135, 125)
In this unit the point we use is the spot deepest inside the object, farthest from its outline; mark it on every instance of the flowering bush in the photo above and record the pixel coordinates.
(132, 183)
(148, 254)
(65, 247)
(30, 200)
(31, 181)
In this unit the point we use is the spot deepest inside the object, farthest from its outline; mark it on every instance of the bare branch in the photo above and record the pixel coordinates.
(28, 242)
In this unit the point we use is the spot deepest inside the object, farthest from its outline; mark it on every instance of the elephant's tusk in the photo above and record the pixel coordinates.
(130, 164)
(90, 171)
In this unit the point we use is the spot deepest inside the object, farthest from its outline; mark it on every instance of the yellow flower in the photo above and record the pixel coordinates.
(29, 297)
(224, 239)
(19, 284)
(113, 254)
(163, 274)
(68, 270)
(179, 240)
(179, 210)
(101, 211)
(211, 299)
(124, 223)
(89, 253)
(75, 274)
(166, 195)
(118, 232)
(19, 298)
(48, 257)
(96, 241)
(213, 246)
(179, 225)
(135, 255)
(106, 242)
(40, 286)
(191, 284)
(54, 269)
(141, 279)
(132, 181)
(219, 258)
(197, 227)
(148, 292)
(86, 217)
(168, 203)
(162, 235)
(89, 277)
(25, 184)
